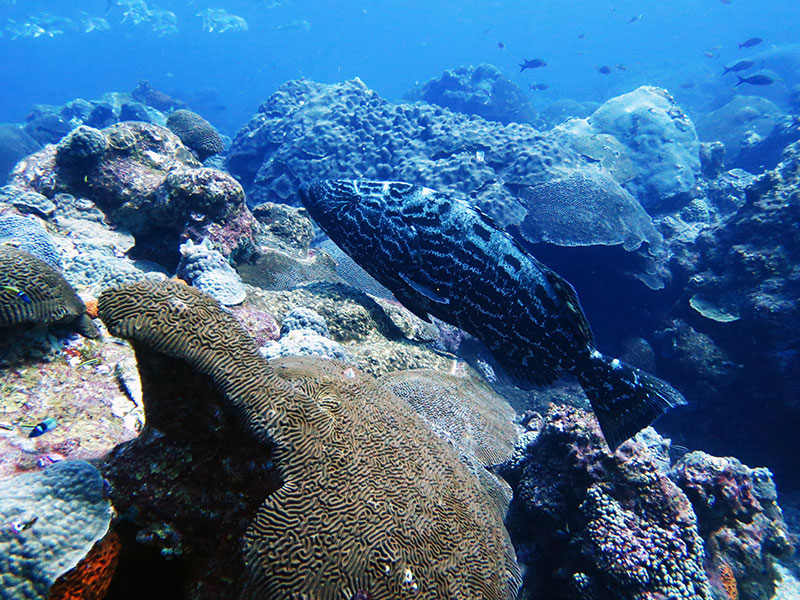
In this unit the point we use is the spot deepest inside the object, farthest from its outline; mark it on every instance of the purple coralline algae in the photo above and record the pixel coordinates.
(739, 519)
(591, 524)
(144, 180)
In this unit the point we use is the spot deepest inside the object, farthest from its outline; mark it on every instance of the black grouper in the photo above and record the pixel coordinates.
(440, 256)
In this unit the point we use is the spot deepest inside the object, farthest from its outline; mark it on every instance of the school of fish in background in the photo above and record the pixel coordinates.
(136, 13)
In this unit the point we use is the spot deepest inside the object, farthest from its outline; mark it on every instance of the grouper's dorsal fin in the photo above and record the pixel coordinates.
(487, 219)
(573, 311)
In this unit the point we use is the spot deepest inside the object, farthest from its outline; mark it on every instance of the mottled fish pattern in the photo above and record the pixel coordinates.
(440, 256)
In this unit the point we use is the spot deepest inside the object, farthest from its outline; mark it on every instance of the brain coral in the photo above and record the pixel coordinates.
(467, 413)
(586, 208)
(197, 133)
(34, 292)
(51, 519)
(371, 501)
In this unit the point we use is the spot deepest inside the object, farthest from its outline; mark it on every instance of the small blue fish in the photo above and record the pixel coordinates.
(47, 425)
(20, 294)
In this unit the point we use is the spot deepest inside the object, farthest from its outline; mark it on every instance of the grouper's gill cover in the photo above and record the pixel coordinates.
(440, 256)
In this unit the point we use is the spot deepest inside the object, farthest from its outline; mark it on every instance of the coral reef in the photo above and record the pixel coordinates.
(748, 266)
(766, 152)
(410, 507)
(591, 524)
(148, 183)
(147, 94)
(34, 292)
(134, 111)
(46, 127)
(51, 519)
(207, 270)
(739, 519)
(741, 123)
(29, 234)
(566, 108)
(196, 133)
(483, 91)
(645, 140)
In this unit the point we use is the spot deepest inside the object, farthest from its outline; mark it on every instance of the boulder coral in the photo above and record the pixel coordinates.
(146, 181)
(364, 500)
(196, 133)
(51, 520)
(308, 130)
(481, 90)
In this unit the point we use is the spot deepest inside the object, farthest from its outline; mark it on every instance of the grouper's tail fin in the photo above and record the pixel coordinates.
(624, 399)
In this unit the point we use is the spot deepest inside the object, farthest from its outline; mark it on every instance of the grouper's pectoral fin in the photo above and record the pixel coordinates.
(429, 293)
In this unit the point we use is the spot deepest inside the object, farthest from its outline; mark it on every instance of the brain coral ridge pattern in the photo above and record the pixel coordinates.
(34, 292)
(370, 500)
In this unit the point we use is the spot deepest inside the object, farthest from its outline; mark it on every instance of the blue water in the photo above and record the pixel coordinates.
(389, 45)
